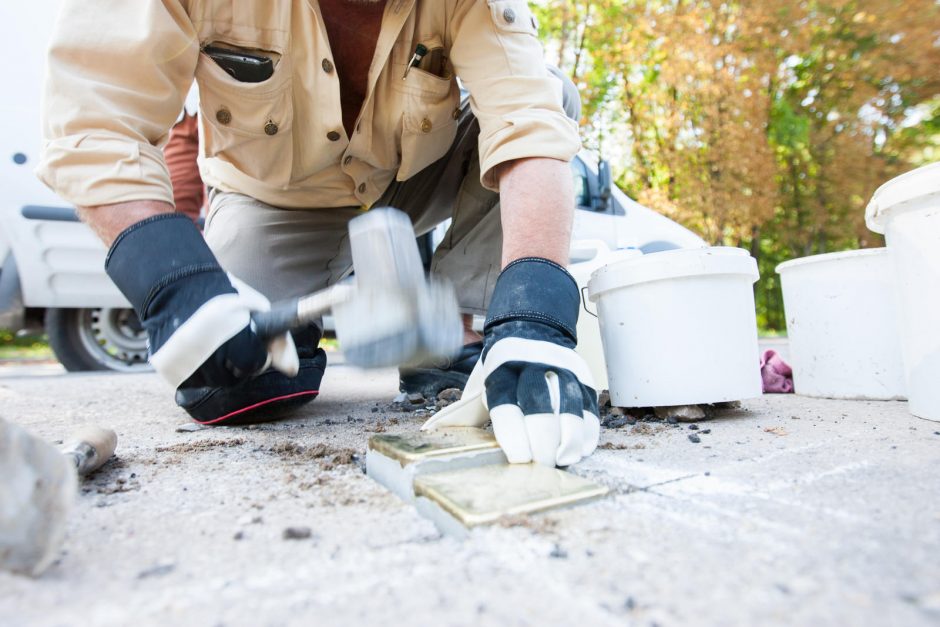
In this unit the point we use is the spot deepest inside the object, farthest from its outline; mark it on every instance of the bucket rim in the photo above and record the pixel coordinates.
(672, 264)
(900, 193)
(828, 257)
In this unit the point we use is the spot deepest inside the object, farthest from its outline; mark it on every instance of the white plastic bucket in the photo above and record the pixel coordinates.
(907, 211)
(833, 303)
(679, 328)
(587, 256)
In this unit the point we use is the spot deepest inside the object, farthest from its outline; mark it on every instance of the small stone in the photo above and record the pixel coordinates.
(375, 410)
(629, 604)
(297, 533)
(239, 535)
(156, 571)
(401, 398)
(617, 411)
(693, 427)
(705, 431)
(616, 423)
(682, 413)
(694, 438)
(672, 420)
(190, 427)
(416, 399)
(451, 395)
(558, 553)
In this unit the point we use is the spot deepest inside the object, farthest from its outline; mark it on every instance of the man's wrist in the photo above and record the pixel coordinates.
(109, 221)
(536, 290)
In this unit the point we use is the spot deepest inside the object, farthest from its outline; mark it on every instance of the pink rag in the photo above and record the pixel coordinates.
(776, 374)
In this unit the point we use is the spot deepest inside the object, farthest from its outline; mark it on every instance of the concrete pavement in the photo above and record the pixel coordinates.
(790, 511)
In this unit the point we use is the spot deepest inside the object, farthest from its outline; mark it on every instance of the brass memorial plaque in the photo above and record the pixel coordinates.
(482, 495)
(408, 448)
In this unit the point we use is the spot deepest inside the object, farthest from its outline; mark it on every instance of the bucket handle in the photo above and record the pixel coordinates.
(584, 302)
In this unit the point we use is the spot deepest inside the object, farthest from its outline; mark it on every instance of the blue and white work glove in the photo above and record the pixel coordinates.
(197, 317)
(539, 392)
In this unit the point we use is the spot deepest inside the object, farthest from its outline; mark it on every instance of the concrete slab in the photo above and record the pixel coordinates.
(768, 520)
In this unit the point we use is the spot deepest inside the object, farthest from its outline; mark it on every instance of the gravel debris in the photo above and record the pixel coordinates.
(450, 395)
(694, 438)
(681, 413)
(189, 427)
(558, 553)
(156, 571)
(297, 533)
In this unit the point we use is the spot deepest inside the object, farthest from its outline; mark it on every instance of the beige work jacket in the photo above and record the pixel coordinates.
(119, 70)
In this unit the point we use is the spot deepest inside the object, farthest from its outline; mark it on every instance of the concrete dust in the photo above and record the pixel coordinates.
(200, 445)
(329, 456)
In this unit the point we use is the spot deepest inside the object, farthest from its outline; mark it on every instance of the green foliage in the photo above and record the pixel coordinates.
(23, 347)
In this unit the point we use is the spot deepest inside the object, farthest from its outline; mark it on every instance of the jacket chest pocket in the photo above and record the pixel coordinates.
(429, 120)
(248, 125)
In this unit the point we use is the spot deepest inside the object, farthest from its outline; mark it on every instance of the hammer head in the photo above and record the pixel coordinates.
(396, 315)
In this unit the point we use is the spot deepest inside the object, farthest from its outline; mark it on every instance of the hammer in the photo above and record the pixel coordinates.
(37, 488)
(393, 315)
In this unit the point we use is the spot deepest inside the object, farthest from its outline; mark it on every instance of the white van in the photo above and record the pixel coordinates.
(52, 265)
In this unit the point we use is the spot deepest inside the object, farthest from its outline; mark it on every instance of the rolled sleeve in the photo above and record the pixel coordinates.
(117, 75)
(518, 103)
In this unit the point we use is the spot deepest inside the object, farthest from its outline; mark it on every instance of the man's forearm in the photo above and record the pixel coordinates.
(537, 209)
(108, 221)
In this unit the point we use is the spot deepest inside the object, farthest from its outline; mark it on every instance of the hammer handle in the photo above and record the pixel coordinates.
(280, 318)
(297, 312)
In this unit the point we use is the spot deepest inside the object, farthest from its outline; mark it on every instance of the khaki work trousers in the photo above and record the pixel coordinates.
(284, 253)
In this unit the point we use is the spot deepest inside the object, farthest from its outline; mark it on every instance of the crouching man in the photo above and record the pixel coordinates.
(312, 112)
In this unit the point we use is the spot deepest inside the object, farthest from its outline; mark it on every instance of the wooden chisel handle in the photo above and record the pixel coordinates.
(90, 448)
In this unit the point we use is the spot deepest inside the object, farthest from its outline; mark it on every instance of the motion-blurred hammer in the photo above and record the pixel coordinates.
(392, 315)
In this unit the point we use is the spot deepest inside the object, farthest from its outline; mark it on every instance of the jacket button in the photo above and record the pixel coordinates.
(333, 136)
(362, 188)
(347, 160)
(270, 128)
(223, 116)
(426, 125)
(509, 15)
(327, 66)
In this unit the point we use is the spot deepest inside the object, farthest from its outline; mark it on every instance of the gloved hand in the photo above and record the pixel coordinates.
(197, 319)
(539, 392)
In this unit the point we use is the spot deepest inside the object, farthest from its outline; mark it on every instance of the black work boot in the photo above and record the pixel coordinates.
(271, 395)
(429, 379)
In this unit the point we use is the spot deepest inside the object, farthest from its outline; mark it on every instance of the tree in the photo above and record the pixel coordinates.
(764, 125)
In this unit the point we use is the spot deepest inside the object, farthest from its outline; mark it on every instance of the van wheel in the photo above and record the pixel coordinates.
(97, 339)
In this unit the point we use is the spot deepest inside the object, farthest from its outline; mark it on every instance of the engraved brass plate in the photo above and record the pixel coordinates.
(482, 495)
(408, 448)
